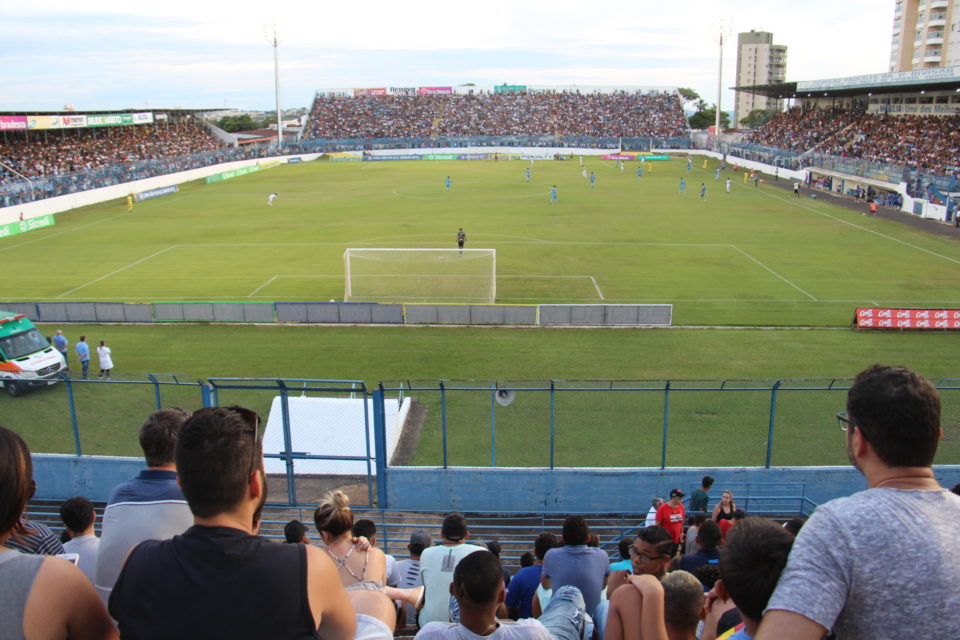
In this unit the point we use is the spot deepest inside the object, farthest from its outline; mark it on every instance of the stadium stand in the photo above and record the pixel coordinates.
(565, 113)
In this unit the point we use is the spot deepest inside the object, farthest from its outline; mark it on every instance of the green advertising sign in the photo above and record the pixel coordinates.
(110, 120)
(440, 156)
(233, 173)
(509, 88)
(23, 226)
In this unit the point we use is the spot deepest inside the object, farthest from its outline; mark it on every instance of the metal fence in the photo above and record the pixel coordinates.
(617, 423)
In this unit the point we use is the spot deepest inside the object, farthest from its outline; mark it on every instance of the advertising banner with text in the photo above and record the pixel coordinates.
(156, 193)
(431, 91)
(936, 319)
(13, 122)
(369, 92)
(23, 226)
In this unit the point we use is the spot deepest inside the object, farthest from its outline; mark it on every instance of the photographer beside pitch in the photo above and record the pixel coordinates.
(883, 562)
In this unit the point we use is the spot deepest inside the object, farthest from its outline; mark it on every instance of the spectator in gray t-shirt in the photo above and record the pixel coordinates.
(577, 564)
(883, 562)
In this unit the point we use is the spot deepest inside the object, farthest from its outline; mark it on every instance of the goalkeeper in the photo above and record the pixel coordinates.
(461, 240)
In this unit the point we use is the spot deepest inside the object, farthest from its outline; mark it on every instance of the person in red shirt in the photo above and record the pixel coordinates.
(670, 515)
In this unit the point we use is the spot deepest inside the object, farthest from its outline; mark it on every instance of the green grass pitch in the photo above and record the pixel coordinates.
(756, 257)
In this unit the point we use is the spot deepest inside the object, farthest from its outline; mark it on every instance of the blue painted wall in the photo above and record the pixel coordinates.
(499, 489)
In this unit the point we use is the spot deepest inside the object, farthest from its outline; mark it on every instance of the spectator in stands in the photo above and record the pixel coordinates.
(295, 532)
(78, 516)
(651, 609)
(148, 507)
(725, 508)
(494, 547)
(34, 537)
(577, 564)
(408, 571)
(652, 514)
(42, 597)
(699, 499)
(690, 537)
(795, 524)
(527, 559)
(708, 539)
(624, 564)
(220, 578)
(478, 588)
(670, 515)
(437, 565)
(750, 565)
(650, 554)
(726, 525)
(362, 568)
(368, 529)
(839, 573)
(523, 587)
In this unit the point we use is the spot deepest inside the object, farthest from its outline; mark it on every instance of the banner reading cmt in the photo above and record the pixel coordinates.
(936, 319)
(23, 226)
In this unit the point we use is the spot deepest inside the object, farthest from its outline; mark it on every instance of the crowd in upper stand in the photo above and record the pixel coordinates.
(931, 143)
(180, 555)
(655, 114)
(46, 153)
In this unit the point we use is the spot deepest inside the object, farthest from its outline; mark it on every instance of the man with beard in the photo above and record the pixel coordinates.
(883, 560)
(219, 579)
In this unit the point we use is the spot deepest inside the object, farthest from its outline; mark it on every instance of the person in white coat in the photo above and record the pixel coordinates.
(106, 362)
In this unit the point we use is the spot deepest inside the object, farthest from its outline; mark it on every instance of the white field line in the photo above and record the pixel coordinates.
(293, 275)
(529, 276)
(862, 228)
(116, 271)
(599, 293)
(789, 282)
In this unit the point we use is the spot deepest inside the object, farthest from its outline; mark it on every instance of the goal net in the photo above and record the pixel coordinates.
(420, 275)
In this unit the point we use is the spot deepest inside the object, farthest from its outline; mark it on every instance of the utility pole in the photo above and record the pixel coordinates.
(274, 40)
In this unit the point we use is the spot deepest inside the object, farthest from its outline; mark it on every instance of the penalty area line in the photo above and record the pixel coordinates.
(116, 271)
(293, 275)
(792, 284)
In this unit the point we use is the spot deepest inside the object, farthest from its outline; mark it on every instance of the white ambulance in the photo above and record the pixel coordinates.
(26, 357)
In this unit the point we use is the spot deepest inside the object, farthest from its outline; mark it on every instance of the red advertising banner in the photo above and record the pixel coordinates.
(431, 91)
(13, 122)
(382, 91)
(936, 319)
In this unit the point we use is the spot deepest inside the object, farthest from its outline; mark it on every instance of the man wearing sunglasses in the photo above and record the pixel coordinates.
(219, 579)
(882, 562)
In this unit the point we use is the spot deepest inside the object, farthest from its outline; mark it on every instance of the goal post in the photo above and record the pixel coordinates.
(420, 275)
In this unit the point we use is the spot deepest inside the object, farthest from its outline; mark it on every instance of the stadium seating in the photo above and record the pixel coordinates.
(653, 114)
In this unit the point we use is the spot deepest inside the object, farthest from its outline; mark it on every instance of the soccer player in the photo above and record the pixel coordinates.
(703, 191)
(553, 194)
(447, 182)
(593, 179)
(716, 173)
(729, 182)
(461, 240)
(689, 163)
(683, 185)
(528, 174)
(622, 164)
(129, 204)
(639, 171)
(584, 173)
(270, 199)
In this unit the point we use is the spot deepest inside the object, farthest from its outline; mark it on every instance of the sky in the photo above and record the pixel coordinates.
(208, 54)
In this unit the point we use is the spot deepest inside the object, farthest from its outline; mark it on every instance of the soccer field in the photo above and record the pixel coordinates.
(755, 256)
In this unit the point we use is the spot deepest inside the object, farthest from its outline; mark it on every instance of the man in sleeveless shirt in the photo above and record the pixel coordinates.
(219, 579)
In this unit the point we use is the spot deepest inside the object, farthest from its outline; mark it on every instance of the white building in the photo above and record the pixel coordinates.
(759, 62)
(926, 34)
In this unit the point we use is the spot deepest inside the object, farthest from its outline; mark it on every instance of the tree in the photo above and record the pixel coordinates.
(707, 117)
(758, 117)
(689, 95)
(237, 123)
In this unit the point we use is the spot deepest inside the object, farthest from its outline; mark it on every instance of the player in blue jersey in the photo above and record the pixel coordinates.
(553, 194)
(639, 171)
(683, 185)
(593, 179)
(703, 191)
(528, 174)
(689, 163)
(448, 182)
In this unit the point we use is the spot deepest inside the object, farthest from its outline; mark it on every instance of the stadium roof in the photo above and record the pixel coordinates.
(937, 79)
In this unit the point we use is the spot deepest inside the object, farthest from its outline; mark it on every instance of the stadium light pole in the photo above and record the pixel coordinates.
(274, 41)
(724, 33)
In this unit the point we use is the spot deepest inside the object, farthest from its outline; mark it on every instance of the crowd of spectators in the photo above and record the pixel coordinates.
(36, 154)
(927, 143)
(565, 113)
(188, 561)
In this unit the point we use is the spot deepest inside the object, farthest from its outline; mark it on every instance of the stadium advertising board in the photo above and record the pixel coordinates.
(403, 91)
(916, 109)
(156, 193)
(344, 156)
(109, 120)
(234, 173)
(937, 74)
(392, 157)
(358, 93)
(142, 118)
(13, 122)
(926, 319)
(56, 122)
(294, 160)
(510, 88)
(23, 226)
(432, 91)
(440, 156)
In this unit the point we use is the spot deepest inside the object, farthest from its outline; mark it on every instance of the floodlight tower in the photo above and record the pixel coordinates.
(723, 34)
(274, 39)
